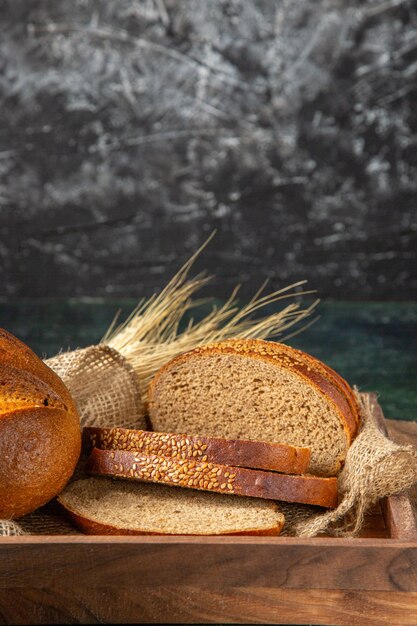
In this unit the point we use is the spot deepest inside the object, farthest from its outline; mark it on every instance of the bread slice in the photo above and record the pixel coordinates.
(108, 507)
(254, 389)
(241, 453)
(214, 477)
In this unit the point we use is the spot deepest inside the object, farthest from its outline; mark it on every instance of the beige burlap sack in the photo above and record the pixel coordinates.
(104, 385)
(9, 528)
(106, 390)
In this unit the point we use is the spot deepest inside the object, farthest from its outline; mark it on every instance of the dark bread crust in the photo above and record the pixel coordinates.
(324, 379)
(237, 452)
(90, 527)
(22, 389)
(39, 449)
(17, 354)
(214, 477)
(40, 438)
(328, 372)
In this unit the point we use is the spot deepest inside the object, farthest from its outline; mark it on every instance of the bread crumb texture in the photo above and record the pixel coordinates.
(149, 508)
(252, 389)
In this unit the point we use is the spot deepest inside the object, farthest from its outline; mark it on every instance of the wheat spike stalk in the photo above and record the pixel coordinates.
(150, 337)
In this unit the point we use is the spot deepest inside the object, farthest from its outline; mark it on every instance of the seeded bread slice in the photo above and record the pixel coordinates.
(101, 506)
(254, 389)
(214, 477)
(241, 453)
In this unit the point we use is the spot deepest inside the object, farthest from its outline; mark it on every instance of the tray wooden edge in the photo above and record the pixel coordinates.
(397, 509)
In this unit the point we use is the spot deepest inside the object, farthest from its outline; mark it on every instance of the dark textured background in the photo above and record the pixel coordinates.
(129, 130)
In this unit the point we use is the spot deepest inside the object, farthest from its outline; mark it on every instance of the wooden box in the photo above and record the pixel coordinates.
(82, 579)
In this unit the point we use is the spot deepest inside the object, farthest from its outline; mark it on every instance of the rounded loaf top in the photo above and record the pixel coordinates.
(40, 437)
(256, 389)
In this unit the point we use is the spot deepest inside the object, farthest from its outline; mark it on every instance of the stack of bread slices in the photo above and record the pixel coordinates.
(264, 422)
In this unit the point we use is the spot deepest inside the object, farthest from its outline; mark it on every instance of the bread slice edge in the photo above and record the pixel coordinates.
(237, 452)
(305, 489)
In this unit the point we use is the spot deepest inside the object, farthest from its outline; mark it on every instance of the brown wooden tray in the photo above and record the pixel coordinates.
(82, 579)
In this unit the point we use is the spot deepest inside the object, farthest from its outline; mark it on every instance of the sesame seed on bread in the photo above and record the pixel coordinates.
(241, 453)
(254, 389)
(215, 477)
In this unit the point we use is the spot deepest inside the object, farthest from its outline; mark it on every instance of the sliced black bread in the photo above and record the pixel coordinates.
(240, 453)
(214, 477)
(101, 506)
(254, 389)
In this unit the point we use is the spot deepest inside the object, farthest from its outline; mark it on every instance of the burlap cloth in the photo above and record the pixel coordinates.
(107, 393)
(104, 385)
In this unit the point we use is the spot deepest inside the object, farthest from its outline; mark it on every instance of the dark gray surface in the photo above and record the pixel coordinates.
(129, 130)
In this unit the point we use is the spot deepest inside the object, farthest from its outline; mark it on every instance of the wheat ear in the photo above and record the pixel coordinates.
(151, 337)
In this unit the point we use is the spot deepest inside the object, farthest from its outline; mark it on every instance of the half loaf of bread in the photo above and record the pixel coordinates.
(254, 389)
(241, 453)
(214, 477)
(100, 506)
